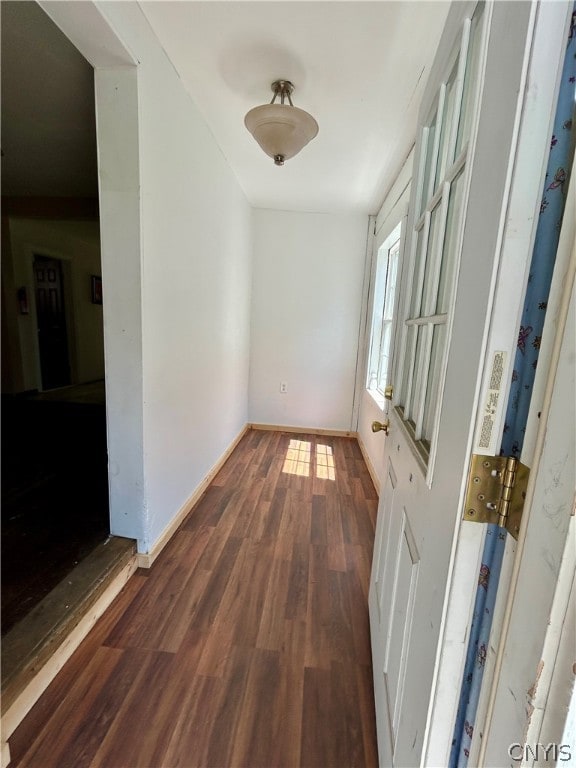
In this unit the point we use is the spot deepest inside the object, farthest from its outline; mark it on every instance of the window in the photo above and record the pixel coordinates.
(382, 316)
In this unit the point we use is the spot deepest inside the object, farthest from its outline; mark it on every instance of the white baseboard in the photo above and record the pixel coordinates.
(5, 754)
(304, 430)
(145, 559)
(369, 465)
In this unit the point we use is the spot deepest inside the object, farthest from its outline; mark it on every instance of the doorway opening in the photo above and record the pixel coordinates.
(55, 507)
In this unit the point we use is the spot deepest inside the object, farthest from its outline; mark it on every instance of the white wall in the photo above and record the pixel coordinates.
(306, 306)
(77, 244)
(393, 211)
(176, 267)
(195, 276)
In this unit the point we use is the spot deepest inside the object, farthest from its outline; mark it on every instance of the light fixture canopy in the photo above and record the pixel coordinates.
(282, 130)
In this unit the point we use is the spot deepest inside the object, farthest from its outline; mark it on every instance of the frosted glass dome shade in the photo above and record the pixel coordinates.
(282, 130)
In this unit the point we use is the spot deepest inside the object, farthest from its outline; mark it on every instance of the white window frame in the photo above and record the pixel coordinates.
(383, 314)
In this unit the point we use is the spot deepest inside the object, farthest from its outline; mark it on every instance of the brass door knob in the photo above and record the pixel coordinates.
(383, 426)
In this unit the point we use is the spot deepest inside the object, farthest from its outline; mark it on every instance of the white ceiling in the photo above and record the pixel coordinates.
(358, 67)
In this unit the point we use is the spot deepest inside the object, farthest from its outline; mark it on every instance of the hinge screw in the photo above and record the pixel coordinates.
(471, 512)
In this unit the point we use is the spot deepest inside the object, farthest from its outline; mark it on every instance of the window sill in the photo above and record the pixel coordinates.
(377, 397)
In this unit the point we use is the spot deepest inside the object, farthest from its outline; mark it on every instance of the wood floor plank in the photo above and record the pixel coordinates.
(195, 720)
(241, 607)
(357, 597)
(299, 510)
(365, 701)
(215, 653)
(50, 745)
(274, 515)
(318, 614)
(81, 659)
(348, 738)
(297, 597)
(285, 751)
(318, 748)
(210, 508)
(209, 603)
(145, 622)
(143, 704)
(228, 710)
(171, 632)
(260, 722)
(87, 734)
(245, 510)
(335, 534)
(340, 632)
(271, 630)
(247, 643)
(319, 532)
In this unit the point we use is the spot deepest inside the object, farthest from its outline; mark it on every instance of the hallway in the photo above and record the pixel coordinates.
(247, 642)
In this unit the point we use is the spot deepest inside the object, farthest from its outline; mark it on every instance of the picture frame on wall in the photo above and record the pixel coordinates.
(96, 289)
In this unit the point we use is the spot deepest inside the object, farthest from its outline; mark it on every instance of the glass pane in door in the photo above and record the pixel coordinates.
(432, 258)
(470, 79)
(450, 242)
(432, 389)
(429, 163)
(418, 277)
(446, 129)
(416, 384)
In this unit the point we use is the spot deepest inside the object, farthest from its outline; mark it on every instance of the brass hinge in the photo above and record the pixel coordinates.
(496, 491)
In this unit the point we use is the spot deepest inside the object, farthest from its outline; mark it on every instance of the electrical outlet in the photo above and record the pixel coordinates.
(283, 387)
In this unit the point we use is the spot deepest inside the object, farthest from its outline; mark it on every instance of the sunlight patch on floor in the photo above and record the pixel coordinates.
(299, 457)
(325, 469)
(297, 460)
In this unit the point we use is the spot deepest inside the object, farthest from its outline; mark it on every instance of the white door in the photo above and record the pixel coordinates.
(464, 159)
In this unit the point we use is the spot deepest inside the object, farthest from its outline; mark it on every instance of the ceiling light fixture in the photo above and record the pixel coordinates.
(282, 130)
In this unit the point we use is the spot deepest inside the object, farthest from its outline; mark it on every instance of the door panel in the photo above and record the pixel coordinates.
(381, 558)
(445, 299)
(403, 606)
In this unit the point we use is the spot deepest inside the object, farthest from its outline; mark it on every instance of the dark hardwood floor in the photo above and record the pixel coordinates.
(247, 642)
(54, 491)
